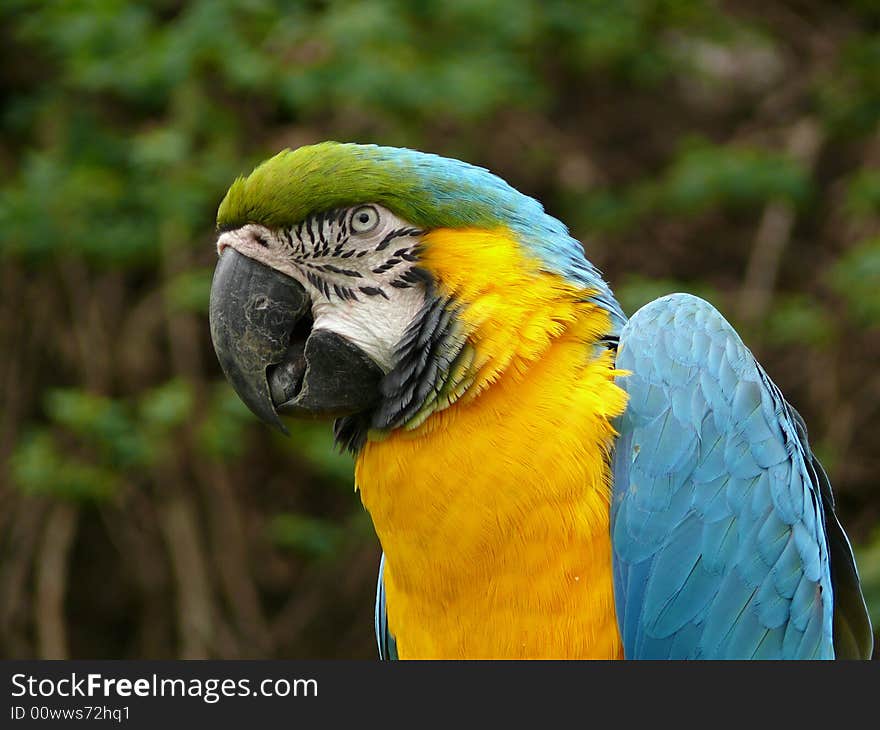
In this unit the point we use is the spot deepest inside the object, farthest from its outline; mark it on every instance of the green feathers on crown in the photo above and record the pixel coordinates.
(427, 190)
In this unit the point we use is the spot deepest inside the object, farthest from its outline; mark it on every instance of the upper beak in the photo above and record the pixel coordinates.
(253, 312)
(261, 329)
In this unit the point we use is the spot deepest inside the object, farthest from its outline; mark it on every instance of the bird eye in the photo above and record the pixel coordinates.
(364, 219)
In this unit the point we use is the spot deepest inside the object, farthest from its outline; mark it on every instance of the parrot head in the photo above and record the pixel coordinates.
(378, 285)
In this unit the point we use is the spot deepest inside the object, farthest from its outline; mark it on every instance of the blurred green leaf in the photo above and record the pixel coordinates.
(63, 207)
(797, 319)
(38, 467)
(308, 535)
(314, 442)
(827, 453)
(166, 406)
(101, 422)
(160, 148)
(607, 211)
(868, 562)
(856, 278)
(636, 291)
(190, 291)
(704, 175)
(863, 194)
(222, 431)
(849, 95)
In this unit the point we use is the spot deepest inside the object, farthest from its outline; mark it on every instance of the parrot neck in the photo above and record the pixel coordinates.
(494, 513)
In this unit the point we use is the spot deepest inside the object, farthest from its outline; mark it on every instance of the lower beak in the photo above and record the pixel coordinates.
(262, 332)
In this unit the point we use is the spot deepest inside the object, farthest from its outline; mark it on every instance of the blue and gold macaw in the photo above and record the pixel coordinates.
(546, 477)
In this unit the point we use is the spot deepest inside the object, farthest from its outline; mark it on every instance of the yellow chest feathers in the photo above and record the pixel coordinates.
(493, 513)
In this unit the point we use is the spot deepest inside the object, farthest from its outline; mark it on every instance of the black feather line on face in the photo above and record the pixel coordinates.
(350, 432)
(372, 291)
(328, 235)
(416, 275)
(423, 362)
(342, 272)
(397, 233)
(344, 293)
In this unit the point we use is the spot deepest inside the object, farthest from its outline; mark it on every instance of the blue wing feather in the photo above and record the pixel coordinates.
(718, 516)
(385, 641)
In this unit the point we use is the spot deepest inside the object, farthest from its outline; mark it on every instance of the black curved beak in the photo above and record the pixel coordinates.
(262, 332)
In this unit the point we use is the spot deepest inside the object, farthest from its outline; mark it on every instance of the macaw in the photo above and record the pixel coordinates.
(546, 477)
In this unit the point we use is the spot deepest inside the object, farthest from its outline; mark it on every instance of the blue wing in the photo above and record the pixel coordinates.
(384, 639)
(722, 520)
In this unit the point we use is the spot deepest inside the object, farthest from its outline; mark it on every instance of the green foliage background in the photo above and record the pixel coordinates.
(730, 149)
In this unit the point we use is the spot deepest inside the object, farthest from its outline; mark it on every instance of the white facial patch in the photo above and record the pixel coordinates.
(358, 266)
